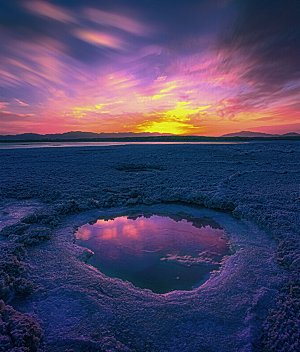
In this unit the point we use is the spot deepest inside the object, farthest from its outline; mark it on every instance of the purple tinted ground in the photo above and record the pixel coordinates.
(52, 301)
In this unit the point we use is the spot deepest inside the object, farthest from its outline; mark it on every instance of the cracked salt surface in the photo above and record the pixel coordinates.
(11, 212)
(244, 304)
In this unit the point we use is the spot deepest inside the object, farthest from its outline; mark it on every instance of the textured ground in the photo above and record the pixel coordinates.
(52, 301)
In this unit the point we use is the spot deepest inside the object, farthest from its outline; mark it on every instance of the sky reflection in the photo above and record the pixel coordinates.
(155, 252)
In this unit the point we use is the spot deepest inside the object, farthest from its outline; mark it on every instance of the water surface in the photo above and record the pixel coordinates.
(156, 252)
(31, 145)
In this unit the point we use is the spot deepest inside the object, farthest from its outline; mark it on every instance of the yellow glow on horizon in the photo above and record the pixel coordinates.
(172, 127)
(174, 121)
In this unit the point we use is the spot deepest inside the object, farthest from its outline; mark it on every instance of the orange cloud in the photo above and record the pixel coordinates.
(98, 38)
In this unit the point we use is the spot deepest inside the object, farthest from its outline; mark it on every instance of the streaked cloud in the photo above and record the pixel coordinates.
(49, 10)
(21, 103)
(98, 38)
(116, 20)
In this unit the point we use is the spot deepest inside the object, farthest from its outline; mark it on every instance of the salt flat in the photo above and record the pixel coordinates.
(251, 304)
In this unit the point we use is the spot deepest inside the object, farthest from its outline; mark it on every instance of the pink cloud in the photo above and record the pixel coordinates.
(3, 105)
(21, 103)
(46, 9)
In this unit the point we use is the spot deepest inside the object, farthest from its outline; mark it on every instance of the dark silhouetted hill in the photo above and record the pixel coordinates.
(249, 134)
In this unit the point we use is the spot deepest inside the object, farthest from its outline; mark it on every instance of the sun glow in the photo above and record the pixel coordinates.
(174, 121)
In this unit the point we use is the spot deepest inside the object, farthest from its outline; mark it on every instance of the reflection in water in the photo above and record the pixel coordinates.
(156, 252)
(30, 145)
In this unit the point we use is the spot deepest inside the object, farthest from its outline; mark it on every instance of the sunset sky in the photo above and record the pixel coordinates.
(196, 67)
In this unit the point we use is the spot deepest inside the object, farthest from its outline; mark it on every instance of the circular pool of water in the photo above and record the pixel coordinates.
(160, 252)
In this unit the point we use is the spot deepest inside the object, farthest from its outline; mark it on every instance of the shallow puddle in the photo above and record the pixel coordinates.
(160, 253)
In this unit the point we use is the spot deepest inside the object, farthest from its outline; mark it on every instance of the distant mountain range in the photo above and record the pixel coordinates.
(74, 135)
(86, 136)
(250, 134)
